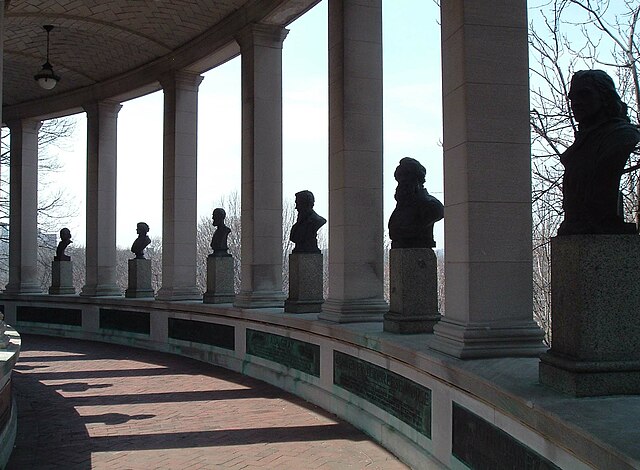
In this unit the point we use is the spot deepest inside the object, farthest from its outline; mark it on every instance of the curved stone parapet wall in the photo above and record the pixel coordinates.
(432, 411)
(8, 410)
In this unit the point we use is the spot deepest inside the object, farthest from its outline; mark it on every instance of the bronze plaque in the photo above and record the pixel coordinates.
(289, 352)
(400, 397)
(482, 446)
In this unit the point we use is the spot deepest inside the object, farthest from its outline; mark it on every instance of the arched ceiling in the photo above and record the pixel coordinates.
(119, 48)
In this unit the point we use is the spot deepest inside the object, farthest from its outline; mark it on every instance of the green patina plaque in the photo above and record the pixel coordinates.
(54, 316)
(481, 445)
(289, 352)
(125, 320)
(400, 397)
(213, 334)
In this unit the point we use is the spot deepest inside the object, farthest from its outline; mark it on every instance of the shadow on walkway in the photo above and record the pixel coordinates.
(88, 405)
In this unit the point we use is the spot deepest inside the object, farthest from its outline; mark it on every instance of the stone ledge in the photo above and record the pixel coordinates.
(508, 386)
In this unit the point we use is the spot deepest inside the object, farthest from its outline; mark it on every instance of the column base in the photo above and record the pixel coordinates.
(409, 324)
(265, 299)
(483, 340)
(589, 378)
(179, 293)
(23, 288)
(353, 311)
(102, 290)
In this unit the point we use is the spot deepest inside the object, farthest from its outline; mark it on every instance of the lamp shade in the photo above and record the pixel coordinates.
(47, 79)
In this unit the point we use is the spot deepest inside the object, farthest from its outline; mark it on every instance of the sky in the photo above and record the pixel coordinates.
(412, 124)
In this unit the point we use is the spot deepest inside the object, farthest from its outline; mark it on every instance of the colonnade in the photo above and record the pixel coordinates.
(487, 178)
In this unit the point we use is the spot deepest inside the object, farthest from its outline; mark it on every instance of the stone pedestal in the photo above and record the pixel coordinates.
(220, 274)
(62, 278)
(305, 283)
(139, 279)
(595, 300)
(413, 291)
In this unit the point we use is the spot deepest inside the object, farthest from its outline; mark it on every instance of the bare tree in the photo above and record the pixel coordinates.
(53, 203)
(566, 36)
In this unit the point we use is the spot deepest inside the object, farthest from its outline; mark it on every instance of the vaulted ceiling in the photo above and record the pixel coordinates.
(119, 48)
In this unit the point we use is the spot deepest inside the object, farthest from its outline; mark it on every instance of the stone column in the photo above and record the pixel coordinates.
(356, 270)
(487, 222)
(23, 208)
(102, 133)
(261, 255)
(179, 188)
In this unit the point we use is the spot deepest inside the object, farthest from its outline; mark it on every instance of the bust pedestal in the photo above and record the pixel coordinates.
(139, 279)
(595, 300)
(62, 278)
(413, 291)
(220, 275)
(305, 283)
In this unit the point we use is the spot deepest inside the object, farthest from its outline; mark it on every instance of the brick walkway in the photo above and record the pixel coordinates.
(88, 405)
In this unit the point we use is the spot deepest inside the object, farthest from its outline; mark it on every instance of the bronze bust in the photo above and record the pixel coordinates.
(411, 222)
(595, 161)
(219, 239)
(65, 241)
(304, 232)
(142, 241)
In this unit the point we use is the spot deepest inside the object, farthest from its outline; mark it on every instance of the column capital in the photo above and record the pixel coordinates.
(258, 34)
(182, 79)
(32, 125)
(108, 106)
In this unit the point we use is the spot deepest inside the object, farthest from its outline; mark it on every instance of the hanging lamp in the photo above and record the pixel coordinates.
(46, 78)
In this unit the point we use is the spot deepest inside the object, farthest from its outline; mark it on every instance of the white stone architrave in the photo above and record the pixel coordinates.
(102, 151)
(356, 266)
(23, 208)
(179, 188)
(487, 169)
(261, 195)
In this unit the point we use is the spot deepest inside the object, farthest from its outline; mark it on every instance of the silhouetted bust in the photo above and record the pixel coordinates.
(411, 222)
(65, 241)
(304, 232)
(219, 239)
(595, 161)
(140, 243)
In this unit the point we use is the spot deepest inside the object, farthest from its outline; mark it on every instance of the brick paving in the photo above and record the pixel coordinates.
(88, 405)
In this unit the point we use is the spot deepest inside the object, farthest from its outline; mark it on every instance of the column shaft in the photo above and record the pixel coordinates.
(356, 273)
(261, 196)
(23, 208)
(487, 181)
(102, 131)
(179, 187)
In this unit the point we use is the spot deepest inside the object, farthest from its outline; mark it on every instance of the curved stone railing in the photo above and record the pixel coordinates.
(431, 410)
(8, 413)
